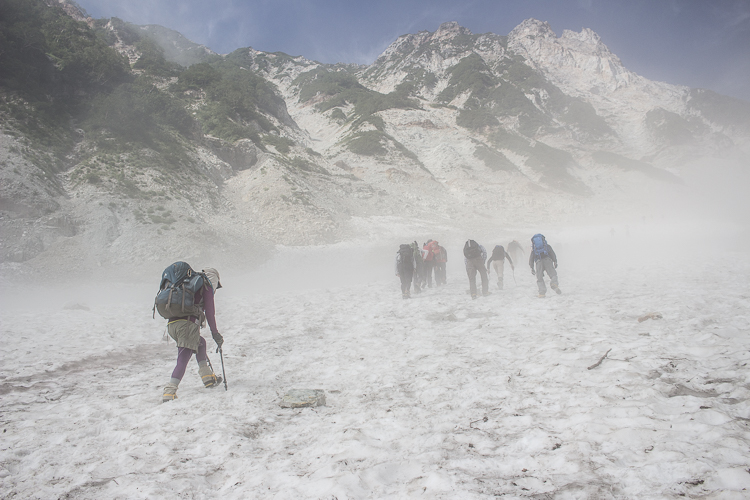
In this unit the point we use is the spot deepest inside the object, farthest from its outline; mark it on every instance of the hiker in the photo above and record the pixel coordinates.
(516, 251)
(498, 263)
(186, 331)
(441, 257)
(428, 257)
(418, 280)
(545, 259)
(475, 255)
(405, 268)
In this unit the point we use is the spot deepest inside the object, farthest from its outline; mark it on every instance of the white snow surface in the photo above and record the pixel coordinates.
(439, 396)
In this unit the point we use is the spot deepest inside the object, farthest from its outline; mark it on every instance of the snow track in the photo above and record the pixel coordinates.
(434, 397)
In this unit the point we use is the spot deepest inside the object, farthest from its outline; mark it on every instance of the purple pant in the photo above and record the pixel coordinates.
(183, 357)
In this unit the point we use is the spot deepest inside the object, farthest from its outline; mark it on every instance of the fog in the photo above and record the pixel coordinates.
(440, 395)
(707, 215)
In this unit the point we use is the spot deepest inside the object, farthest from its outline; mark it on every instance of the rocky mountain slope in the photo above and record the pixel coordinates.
(181, 152)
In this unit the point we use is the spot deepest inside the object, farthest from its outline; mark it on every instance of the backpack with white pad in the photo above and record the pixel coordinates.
(539, 246)
(177, 289)
(472, 250)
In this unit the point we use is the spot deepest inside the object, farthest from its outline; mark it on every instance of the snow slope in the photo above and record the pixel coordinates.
(435, 397)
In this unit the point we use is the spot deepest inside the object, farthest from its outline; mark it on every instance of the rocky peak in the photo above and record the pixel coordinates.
(70, 8)
(579, 61)
(449, 30)
(532, 29)
(586, 42)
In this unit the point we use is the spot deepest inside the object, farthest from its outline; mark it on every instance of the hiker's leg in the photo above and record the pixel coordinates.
(183, 357)
(201, 354)
(186, 334)
(205, 371)
(498, 267)
(549, 266)
(405, 283)
(485, 280)
(471, 272)
(540, 277)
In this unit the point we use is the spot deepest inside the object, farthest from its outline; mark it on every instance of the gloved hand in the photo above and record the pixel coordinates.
(218, 339)
(555, 264)
(533, 273)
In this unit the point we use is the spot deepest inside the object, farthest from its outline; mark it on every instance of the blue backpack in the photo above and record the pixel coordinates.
(177, 289)
(539, 246)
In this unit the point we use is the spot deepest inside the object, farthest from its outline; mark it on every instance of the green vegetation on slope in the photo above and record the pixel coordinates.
(471, 74)
(50, 68)
(339, 88)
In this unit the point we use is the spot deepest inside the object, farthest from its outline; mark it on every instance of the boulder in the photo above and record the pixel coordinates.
(303, 398)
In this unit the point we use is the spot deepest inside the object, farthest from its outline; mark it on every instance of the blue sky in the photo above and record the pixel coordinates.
(699, 43)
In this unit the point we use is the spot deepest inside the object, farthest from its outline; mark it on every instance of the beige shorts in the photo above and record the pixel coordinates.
(185, 333)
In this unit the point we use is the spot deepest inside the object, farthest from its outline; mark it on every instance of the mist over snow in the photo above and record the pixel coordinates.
(439, 396)
(633, 383)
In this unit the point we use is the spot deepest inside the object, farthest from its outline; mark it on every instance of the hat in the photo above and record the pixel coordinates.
(213, 276)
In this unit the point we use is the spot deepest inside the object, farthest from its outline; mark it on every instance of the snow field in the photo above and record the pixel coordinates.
(436, 397)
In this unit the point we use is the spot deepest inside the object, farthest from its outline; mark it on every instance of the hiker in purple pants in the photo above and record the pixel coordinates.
(186, 332)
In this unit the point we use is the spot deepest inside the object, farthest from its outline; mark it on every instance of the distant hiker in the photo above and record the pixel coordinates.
(428, 256)
(498, 263)
(475, 255)
(440, 260)
(405, 268)
(186, 300)
(545, 259)
(516, 251)
(418, 280)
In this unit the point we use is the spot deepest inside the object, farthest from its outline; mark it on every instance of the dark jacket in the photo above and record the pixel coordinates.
(551, 256)
(499, 253)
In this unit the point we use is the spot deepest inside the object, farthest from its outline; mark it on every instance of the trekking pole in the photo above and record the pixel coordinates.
(221, 353)
(514, 275)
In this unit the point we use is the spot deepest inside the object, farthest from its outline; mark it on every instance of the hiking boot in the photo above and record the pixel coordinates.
(207, 375)
(170, 392)
(541, 295)
(212, 382)
(473, 295)
(557, 289)
(486, 294)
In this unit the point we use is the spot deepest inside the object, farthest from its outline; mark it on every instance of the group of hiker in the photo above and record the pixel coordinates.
(416, 266)
(412, 264)
(186, 297)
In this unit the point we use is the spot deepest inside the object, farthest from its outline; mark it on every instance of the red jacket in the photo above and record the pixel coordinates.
(432, 251)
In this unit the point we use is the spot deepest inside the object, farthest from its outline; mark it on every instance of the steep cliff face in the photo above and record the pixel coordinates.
(250, 149)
